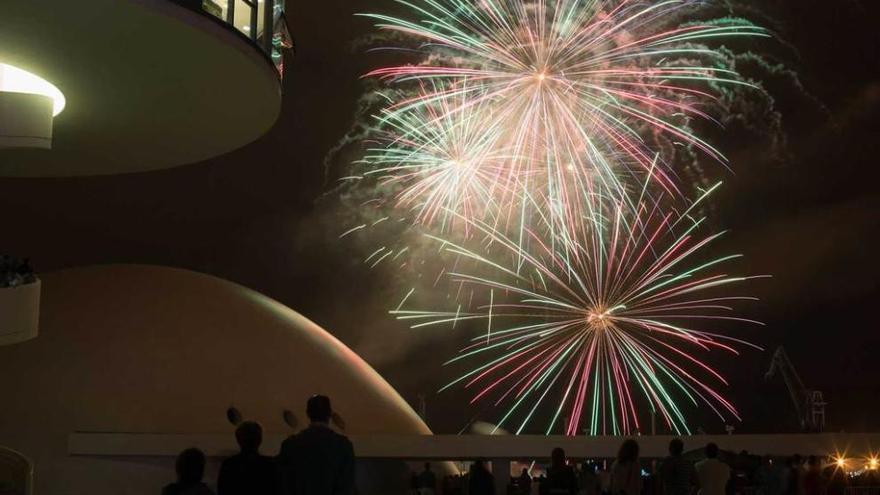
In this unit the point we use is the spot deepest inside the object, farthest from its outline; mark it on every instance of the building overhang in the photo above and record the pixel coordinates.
(149, 85)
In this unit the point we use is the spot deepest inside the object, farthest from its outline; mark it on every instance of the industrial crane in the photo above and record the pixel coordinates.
(809, 404)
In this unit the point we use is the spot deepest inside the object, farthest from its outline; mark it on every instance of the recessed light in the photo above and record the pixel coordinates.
(15, 80)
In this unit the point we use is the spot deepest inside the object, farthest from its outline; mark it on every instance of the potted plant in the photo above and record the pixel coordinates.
(19, 300)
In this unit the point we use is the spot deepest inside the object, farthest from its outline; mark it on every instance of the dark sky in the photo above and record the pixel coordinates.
(253, 216)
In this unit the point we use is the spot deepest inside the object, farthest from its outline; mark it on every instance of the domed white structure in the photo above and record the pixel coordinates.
(145, 349)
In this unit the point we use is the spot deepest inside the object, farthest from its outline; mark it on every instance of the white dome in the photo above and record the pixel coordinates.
(131, 348)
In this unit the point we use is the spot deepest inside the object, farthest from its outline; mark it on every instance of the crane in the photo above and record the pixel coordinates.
(809, 404)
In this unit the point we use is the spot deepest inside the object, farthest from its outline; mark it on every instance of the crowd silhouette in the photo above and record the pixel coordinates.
(703, 471)
(315, 461)
(320, 461)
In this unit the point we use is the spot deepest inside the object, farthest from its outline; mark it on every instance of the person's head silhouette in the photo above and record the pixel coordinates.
(318, 409)
(711, 451)
(557, 457)
(676, 447)
(629, 451)
(190, 466)
(249, 436)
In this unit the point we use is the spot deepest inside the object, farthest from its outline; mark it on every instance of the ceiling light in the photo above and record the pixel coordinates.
(15, 80)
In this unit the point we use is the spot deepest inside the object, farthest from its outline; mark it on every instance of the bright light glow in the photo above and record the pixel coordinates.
(841, 462)
(873, 463)
(15, 80)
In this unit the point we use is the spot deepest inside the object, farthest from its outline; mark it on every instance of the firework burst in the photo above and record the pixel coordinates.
(440, 163)
(597, 326)
(576, 93)
(532, 142)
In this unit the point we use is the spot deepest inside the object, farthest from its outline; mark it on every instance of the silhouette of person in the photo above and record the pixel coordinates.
(248, 472)
(524, 482)
(712, 474)
(561, 479)
(317, 460)
(626, 472)
(795, 475)
(590, 484)
(190, 467)
(414, 483)
(427, 481)
(481, 481)
(814, 480)
(677, 473)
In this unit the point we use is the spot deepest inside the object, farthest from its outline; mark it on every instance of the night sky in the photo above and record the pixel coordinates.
(264, 216)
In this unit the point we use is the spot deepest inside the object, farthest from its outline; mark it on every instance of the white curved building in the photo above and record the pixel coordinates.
(147, 84)
(144, 349)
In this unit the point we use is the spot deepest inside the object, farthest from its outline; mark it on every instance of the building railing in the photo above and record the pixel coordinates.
(469, 447)
(261, 21)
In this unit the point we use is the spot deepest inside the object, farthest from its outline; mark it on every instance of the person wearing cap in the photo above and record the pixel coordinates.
(317, 460)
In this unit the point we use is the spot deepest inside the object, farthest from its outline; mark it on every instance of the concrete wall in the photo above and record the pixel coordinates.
(463, 447)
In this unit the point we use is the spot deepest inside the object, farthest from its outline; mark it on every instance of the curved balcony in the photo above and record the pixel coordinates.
(149, 84)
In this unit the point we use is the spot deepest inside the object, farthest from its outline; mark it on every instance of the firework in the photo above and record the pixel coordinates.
(575, 92)
(598, 326)
(439, 163)
(531, 141)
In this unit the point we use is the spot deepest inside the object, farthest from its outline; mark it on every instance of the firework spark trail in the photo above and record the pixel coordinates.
(570, 90)
(439, 160)
(603, 324)
(529, 144)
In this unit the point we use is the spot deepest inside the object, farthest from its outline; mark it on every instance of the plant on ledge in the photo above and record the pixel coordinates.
(15, 272)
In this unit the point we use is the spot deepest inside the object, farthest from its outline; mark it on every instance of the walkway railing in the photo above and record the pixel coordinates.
(262, 21)
(468, 447)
